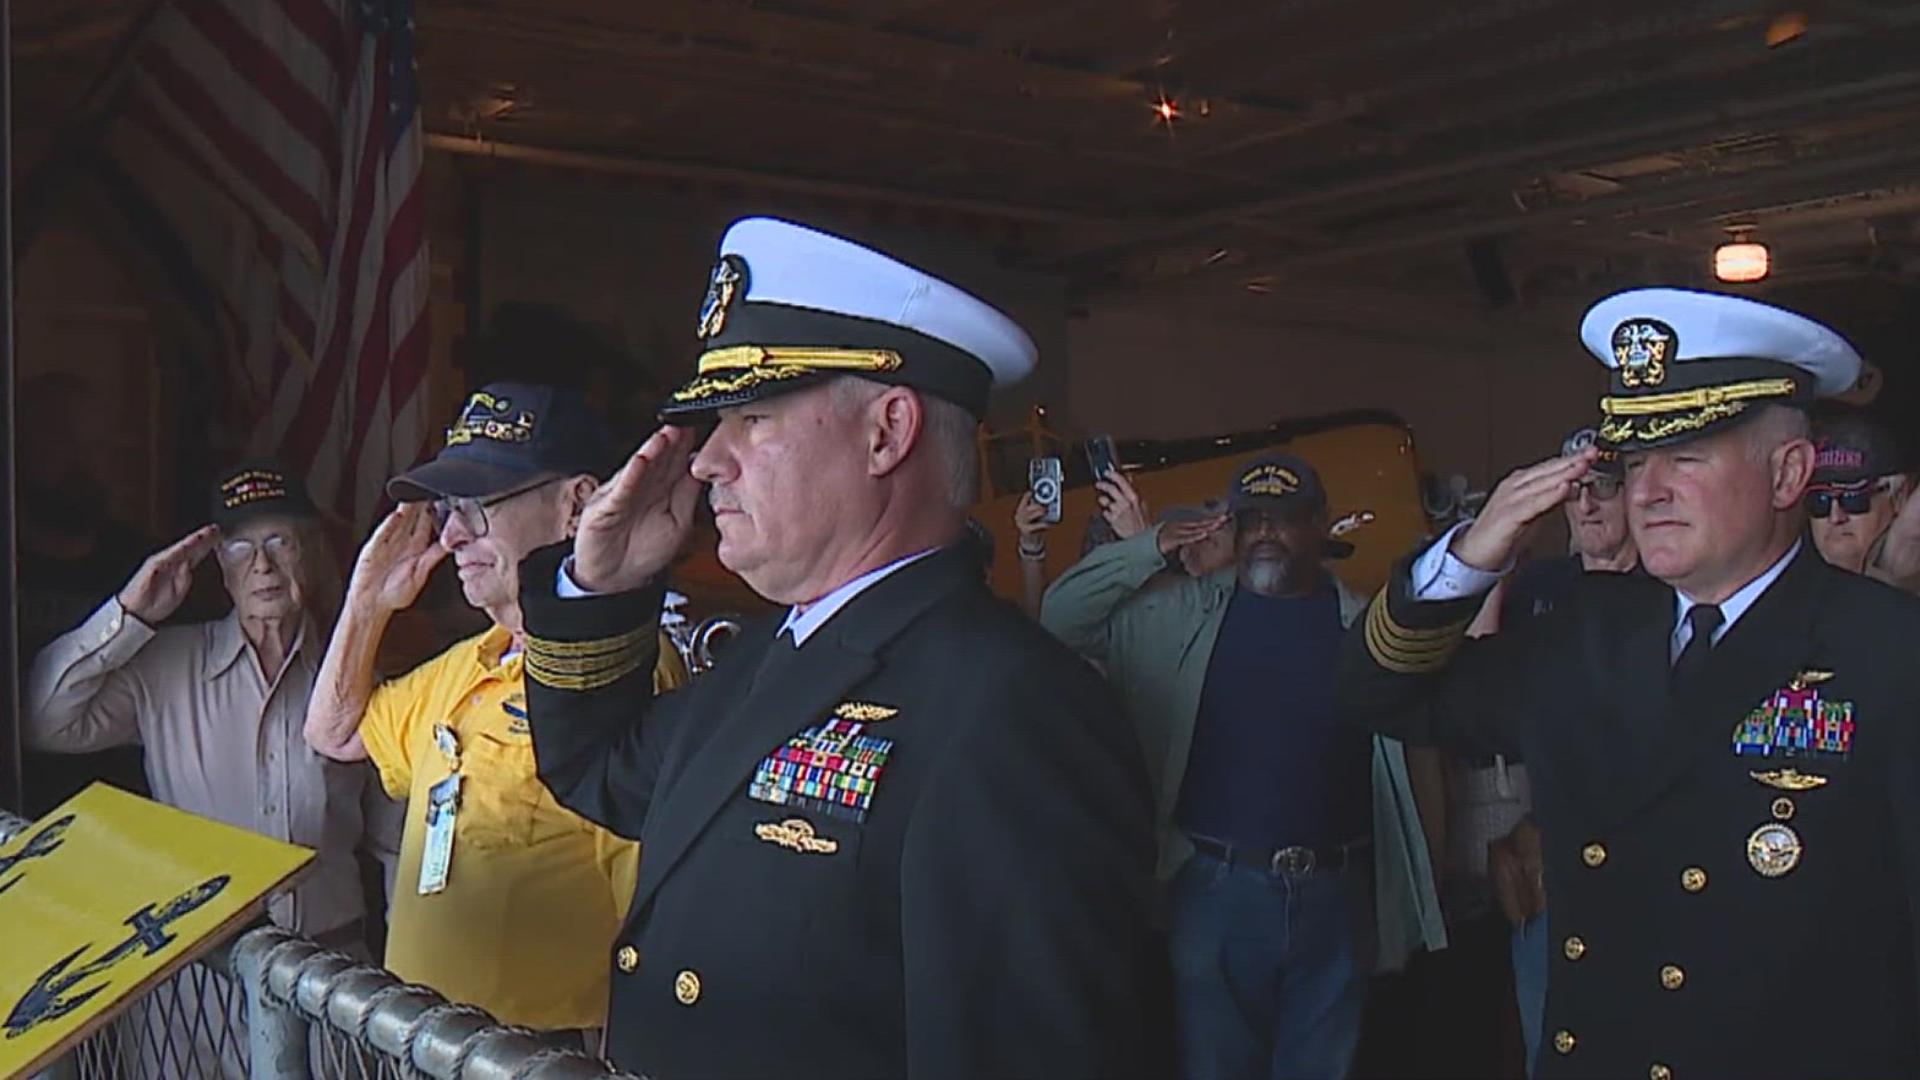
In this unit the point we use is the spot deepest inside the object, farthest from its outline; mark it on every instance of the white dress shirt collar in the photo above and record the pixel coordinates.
(803, 622)
(1733, 606)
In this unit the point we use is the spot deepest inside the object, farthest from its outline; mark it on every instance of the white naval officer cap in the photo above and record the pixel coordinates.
(788, 306)
(1686, 363)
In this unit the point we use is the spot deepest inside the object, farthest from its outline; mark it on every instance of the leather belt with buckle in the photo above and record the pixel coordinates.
(1293, 860)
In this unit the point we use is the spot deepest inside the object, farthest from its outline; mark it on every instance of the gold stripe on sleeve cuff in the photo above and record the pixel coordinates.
(1405, 650)
(588, 665)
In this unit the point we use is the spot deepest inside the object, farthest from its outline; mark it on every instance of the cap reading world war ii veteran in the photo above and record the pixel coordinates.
(259, 489)
(1686, 363)
(1288, 486)
(510, 435)
(787, 306)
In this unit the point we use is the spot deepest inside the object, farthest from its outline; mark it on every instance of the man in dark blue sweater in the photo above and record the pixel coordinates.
(1276, 821)
(1270, 934)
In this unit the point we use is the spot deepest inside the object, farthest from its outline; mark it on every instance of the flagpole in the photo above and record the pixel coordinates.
(10, 778)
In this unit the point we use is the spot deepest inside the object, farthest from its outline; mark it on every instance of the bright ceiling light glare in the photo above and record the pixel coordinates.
(1786, 28)
(1742, 261)
(1166, 110)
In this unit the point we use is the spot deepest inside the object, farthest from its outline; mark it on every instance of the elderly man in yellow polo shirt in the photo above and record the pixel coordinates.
(504, 899)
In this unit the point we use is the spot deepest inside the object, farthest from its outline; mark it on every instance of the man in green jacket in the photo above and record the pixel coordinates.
(1291, 846)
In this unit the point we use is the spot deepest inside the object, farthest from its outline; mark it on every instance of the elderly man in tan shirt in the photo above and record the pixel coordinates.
(219, 706)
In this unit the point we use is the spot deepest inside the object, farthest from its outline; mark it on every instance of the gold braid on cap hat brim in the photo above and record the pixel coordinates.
(749, 366)
(1647, 417)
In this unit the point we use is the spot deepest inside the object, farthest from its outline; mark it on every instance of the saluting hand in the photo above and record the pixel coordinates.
(1176, 535)
(396, 561)
(161, 584)
(638, 521)
(1517, 502)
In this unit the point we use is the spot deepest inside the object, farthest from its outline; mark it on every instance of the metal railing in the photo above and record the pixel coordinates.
(270, 1005)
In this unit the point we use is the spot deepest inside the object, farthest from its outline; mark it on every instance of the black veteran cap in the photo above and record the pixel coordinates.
(1609, 460)
(788, 306)
(1286, 485)
(259, 489)
(1688, 363)
(509, 434)
(1853, 449)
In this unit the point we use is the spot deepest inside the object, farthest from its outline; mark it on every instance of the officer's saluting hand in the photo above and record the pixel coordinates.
(1517, 503)
(638, 521)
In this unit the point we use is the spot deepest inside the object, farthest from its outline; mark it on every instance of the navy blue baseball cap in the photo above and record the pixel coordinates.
(259, 489)
(1608, 462)
(1287, 485)
(1853, 450)
(1281, 482)
(507, 435)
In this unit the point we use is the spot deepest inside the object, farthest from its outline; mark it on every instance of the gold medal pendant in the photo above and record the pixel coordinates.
(1774, 849)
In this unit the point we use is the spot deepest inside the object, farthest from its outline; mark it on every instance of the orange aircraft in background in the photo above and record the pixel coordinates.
(1366, 460)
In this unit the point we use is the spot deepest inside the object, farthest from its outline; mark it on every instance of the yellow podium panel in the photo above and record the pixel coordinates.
(106, 896)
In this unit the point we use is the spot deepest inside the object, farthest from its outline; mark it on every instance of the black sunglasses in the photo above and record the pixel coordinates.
(1859, 501)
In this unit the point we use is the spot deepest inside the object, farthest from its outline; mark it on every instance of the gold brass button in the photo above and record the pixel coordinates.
(1563, 1041)
(1672, 977)
(627, 959)
(686, 988)
(1783, 808)
(1594, 854)
(1693, 879)
(1574, 948)
(1659, 1072)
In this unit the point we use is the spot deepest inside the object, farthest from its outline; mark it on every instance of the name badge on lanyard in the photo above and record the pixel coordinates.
(443, 805)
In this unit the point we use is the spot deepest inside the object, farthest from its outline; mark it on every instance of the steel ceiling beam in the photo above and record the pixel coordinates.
(1569, 153)
(1694, 199)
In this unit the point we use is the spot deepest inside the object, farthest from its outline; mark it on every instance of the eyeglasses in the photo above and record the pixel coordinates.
(240, 550)
(1858, 501)
(472, 511)
(1599, 485)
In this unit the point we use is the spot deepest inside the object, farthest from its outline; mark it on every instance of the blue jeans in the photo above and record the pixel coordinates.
(1530, 980)
(1270, 970)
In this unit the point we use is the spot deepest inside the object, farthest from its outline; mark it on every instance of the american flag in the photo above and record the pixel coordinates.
(277, 146)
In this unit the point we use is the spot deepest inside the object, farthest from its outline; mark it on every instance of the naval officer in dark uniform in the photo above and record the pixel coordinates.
(1724, 751)
(899, 831)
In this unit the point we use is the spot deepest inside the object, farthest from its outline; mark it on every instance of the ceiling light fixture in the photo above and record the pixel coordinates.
(1742, 260)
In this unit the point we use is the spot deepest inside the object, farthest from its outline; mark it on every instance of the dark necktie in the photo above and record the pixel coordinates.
(1704, 619)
